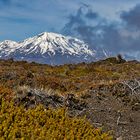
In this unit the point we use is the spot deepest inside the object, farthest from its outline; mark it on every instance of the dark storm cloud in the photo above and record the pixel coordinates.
(79, 27)
(104, 35)
(74, 20)
(132, 17)
(77, 24)
(91, 15)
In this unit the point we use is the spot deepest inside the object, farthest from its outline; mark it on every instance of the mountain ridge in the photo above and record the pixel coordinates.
(47, 47)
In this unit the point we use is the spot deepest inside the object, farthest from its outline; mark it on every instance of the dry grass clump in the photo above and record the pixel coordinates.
(30, 98)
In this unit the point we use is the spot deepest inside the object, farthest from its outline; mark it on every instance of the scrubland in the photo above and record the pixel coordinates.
(95, 101)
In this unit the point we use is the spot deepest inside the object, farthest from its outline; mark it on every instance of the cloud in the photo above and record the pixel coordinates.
(113, 37)
(74, 20)
(132, 18)
(90, 14)
(77, 23)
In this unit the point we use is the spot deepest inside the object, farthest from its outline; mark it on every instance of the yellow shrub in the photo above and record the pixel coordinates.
(6, 93)
(42, 124)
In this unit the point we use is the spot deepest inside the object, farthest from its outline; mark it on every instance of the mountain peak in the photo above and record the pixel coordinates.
(49, 35)
(46, 46)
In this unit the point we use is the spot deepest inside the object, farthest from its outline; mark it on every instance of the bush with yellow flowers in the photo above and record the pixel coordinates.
(44, 124)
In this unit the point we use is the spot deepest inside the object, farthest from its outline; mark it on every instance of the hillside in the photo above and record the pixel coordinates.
(107, 92)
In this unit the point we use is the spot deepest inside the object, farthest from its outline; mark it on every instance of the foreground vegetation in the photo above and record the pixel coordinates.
(54, 102)
(39, 123)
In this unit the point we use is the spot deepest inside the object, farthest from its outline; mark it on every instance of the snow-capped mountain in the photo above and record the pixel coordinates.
(7, 47)
(49, 48)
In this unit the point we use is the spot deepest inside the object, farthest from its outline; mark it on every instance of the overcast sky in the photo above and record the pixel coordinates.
(111, 24)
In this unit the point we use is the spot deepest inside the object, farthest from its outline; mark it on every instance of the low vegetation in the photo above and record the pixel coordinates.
(54, 102)
(39, 123)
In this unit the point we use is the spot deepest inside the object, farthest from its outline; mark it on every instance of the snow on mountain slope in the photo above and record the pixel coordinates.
(7, 47)
(50, 48)
(51, 43)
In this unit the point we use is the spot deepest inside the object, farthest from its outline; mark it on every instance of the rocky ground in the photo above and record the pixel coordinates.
(115, 107)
